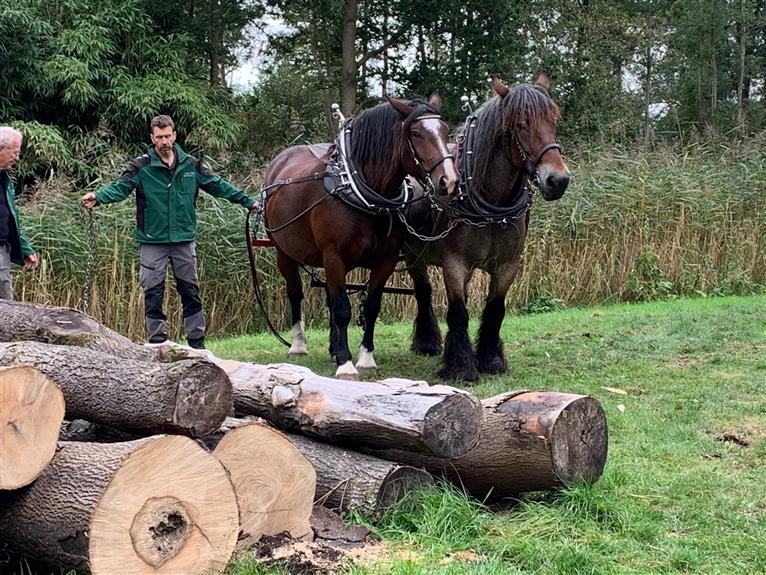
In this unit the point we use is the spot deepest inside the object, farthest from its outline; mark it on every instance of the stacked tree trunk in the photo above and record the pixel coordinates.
(118, 499)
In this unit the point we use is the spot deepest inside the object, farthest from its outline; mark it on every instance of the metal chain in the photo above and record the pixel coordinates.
(90, 258)
(423, 238)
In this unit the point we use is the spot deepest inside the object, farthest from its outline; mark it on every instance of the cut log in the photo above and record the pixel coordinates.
(31, 412)
(394, 413)
(349, 480)
(529, 441)
(66, 326)
(190, 397)
(156, 505)
(273, 481)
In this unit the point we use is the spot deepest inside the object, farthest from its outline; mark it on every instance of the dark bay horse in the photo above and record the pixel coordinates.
(335, 207)
(509, 140)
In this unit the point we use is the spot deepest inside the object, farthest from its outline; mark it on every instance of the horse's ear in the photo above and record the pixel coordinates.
(499, 87)
(435, 101)
(542, 79)
(402, 107)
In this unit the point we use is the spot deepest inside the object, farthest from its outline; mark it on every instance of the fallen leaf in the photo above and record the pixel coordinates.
(615, 390)
(621, 408)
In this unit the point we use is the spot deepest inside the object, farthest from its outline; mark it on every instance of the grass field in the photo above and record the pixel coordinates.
(684, 489)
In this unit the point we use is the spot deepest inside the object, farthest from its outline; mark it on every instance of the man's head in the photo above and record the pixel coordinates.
(10, 145)
(163, 133)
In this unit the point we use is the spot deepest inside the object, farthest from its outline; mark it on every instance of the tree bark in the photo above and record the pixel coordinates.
(65, 326)
(190, 397)
(529, 441)
(395, 413)
(274, 482)
(348, 55)
(349, 480)
(156, 505)
(31, 412)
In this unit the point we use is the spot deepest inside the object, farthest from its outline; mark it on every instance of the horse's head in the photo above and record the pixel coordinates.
(529, 120)
(426, 134)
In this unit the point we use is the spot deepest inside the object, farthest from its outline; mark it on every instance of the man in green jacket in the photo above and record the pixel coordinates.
(13, 247)
(167, 181)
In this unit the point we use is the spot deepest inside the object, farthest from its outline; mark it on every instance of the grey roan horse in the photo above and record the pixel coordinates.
(507, 142)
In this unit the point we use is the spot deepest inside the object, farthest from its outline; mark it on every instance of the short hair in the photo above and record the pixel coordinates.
(161, 121)
(9, 135)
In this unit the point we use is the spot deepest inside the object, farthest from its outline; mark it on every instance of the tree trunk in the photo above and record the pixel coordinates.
(348, 54)
(191, 397)
(274, 482)
(742, 37)
(65, 326)
(31, 412)
(529, 441)
(394, 413)
(156, 505)
(349, 480)
(648, 97)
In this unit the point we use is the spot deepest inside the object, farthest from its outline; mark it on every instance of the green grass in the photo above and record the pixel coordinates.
(674, 497)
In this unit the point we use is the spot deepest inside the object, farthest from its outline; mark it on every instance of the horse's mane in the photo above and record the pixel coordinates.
(526, 103)
(377, 141)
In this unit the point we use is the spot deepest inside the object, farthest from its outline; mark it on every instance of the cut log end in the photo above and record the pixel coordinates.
(156, 516)
(203, 399)
(402, 480)
(31, 413)
(579, 442)
(452, 427)
(273, 481)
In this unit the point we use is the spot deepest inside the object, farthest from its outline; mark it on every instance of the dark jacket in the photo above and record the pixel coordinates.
(20, 247)
(166, 211)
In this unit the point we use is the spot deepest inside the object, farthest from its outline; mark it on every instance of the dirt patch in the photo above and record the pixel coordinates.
(743, 435)
(298, 557)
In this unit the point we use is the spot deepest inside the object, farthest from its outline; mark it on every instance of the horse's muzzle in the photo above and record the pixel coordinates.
(553, 184)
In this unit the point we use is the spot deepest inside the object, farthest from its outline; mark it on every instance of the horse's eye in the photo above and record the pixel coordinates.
(415, 134)
(521, 126)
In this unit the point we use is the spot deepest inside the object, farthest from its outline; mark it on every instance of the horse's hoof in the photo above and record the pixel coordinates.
(366, 362)
(297, 351)
(467, 374)
(426, 348)
(347, 371)
(494, 366)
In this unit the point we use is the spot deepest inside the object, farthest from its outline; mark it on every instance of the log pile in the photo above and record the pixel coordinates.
(109, 491)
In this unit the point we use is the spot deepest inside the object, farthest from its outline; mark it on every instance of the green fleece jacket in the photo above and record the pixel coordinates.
(20, 247)
(166, 211)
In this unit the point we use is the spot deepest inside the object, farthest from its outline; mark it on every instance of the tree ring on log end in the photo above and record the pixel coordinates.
(452, 427)
(579, 442)
(172, 484)
(31, 413)
(160, 530)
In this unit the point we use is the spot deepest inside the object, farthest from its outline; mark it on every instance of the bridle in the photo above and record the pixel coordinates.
(426, 181)
(530, 165)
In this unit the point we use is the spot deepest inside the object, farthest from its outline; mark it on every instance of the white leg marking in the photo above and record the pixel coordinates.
(298, 346)
(365, 361)
(347, 371)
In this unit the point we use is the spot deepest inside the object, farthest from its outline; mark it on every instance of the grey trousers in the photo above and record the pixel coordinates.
(6, 287)
(154, 264)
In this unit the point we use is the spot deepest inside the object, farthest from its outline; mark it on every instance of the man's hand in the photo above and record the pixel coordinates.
(88, 201)
(31, 261)
(257, 208)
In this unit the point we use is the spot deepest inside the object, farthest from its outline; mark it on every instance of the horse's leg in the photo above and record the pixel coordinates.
(459, 360)
(426, 337)
(378, 278)
(333, 330)
(489, 346)
(289, 269)
(340, 316)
